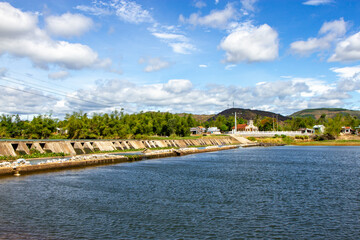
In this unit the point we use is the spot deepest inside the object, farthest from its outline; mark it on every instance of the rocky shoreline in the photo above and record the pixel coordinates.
(22, 167)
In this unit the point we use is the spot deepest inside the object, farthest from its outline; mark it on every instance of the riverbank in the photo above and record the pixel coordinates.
(340, 141)
(18, 169)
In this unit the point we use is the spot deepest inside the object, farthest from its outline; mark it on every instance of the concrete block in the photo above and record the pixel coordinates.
(87, 147)
(6, 149)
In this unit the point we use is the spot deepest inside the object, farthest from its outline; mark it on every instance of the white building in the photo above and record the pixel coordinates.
(320, 128)
(251, 127)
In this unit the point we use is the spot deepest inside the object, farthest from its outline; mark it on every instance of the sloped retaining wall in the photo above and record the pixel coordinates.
(14, 148)
(26, 169)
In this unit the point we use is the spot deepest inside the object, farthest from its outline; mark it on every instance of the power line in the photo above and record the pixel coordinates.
(40, 80)
(56, 93)
(20, 90)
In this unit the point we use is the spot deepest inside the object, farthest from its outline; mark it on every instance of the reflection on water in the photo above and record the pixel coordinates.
(281, 192)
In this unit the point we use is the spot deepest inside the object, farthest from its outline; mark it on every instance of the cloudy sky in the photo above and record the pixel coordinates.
(191, 56)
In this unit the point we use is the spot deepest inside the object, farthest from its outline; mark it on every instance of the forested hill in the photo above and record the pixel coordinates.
(249, 114)
(198, 117)
(329, 112)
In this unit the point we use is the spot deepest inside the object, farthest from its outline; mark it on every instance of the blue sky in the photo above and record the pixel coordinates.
(190, 56)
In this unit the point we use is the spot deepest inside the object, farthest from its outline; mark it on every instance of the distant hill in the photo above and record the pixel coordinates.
(330, 112)
(198, 117)
(248, 114)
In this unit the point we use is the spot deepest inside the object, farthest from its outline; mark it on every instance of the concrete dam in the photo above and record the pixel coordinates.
(76, 147)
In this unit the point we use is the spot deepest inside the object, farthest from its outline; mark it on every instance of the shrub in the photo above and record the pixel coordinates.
(301, 137)
(288, 140)
(251, 138)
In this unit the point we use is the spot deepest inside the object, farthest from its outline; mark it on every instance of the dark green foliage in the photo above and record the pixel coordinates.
(251, 139)
(323, 137)
(115, 125)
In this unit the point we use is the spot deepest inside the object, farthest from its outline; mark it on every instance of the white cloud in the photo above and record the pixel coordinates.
(216, 1)
(329, 32)
(249, 43)
(154, 64)
(317, 2)
(58, 75)
(179, 95)
(230, 67)
(178, 86)
(349, 78)
(130, 11)
(248, 4)
(346, 72)
(3, 71)
(126, 10)
(68, 25)
(178, 42)
(347, 50)
(94, 10)
(14, 22)
(203, 66)
(200, 4)
(170, 36)
(20, 100)
(216, 18)
(35, 44)
(182, 47)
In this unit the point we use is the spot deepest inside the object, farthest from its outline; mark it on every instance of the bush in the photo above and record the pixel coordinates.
(301, 137)
(323, 137)
(288, 140)
(283, 136)
(251, 139)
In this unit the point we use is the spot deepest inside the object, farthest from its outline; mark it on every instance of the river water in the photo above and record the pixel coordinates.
(260, 193)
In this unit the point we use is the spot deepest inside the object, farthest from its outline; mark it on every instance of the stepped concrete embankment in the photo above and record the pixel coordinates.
(95, 159)
(78, 147)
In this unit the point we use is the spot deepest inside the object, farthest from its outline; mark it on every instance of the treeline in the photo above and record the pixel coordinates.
(115, 125)
(118, 125)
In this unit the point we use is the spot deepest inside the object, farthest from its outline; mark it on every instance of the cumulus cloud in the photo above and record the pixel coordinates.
(349, 78)
(20, 100)
(68, 25)
(216, 18)
(35, 44)
(317, 2)
(60, 75)
(178, 86)
(180, 95)
(154, 64)
(203, 66)
(347, 50)
(346, 72)
(328, 33)
(249, 43)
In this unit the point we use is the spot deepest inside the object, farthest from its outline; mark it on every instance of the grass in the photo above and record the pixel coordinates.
(329, 143)
(32, 155)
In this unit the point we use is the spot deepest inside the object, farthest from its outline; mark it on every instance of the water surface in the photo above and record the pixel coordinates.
(279, 192)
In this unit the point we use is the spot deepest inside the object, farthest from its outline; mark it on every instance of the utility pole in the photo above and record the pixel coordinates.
(235, 124)
(273, 123)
